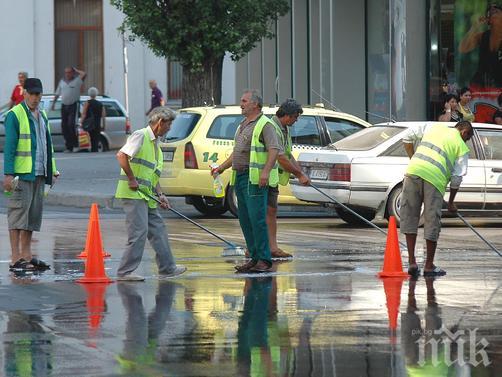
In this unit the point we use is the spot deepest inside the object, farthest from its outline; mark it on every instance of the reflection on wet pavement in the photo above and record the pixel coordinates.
(322, 314)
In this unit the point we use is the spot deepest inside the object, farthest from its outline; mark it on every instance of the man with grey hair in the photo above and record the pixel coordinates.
(17, 95)
(285, 117)
(141, 163)
(254, 169)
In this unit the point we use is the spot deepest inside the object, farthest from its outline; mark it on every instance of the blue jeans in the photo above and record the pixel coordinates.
(252, 205)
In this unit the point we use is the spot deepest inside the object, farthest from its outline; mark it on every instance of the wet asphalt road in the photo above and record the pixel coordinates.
(322, 314)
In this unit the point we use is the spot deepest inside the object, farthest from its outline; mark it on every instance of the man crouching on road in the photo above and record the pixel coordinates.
(141, 162)
(254, 169)
(441, 157)
(28, 165)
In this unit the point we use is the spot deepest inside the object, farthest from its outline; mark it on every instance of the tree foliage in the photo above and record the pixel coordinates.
(198, 32)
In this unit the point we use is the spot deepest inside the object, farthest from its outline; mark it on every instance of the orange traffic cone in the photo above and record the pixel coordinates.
(95, 264)
(93, 218)
(392, 264)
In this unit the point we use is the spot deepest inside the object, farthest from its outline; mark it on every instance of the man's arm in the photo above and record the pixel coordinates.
(271, 159)
(292, 166)
(459, 171)
(56, 95)
(81, 74)
(408, 147)
(10, 147)
(223, 166)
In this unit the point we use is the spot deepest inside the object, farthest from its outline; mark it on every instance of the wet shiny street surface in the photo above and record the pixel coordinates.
(325, 313)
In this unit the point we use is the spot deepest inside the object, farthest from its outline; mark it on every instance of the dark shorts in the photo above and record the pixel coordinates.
(273, 194)
(24, 207)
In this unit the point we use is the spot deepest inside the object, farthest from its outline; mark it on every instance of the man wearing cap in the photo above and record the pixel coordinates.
(69, 90)
(285, 117)
(28, 165)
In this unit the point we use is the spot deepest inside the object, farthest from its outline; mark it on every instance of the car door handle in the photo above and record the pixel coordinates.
(497, 170)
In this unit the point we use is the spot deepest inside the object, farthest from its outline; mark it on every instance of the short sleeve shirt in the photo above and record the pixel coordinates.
(69, 91)
(135, 141)
(156, 97)
(285, 134)
(242, 147)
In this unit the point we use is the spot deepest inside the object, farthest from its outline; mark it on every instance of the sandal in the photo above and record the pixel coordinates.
(436, 271)
(40, 264)
(414, 271)
(22, 265)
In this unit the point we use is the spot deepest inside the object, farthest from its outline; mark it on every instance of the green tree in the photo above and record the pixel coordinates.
(197, 33)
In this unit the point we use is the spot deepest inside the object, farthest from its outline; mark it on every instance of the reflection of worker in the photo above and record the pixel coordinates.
(412, 332)
(441, 157)
(142, 333)
(489, 42)
(254, 169)
(252, 334)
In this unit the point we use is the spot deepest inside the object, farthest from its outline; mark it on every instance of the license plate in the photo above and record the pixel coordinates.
(319, 174)
(168, 155)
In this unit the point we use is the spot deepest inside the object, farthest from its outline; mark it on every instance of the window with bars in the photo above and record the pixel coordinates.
(78, 33)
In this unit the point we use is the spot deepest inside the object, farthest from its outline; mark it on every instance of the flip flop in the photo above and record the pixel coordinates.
(40, 264)
(414, 271)
(22, 265)
(436, 271)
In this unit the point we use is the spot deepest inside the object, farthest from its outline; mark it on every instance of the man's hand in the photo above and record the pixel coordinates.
(164, 203)
(133, 184)
(263, 178)
(452, 207)
(7, 183)
(304, 180)
(216, 169)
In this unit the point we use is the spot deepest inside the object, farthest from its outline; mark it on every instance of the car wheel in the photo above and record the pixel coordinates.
(394, 206)
(231, 201)
(209, 206)
(102, 144)
(352, 219)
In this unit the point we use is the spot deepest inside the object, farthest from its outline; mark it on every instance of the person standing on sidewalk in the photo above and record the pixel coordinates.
(17, 95)
(157, 98)
(69, 90)
(441, 157)
(29, 156)
(254, 169)
(285, 117)
(141, 163)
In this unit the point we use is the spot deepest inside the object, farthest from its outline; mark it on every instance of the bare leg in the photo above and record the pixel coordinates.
(431, 251)
(411, 240)
(272, 228)
(26, 244)
(14, 245)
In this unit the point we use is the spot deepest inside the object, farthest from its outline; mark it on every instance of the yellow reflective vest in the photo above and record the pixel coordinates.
(436, 154)
(23, 162)
(146, 169)
(258, 156)
(287, 143)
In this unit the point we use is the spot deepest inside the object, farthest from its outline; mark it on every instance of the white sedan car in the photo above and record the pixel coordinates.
(365, 171)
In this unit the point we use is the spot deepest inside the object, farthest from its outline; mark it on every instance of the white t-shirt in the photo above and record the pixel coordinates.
(135, 141)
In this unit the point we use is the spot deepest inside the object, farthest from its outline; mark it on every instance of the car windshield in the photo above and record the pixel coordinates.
(182, 126)
(367, 138)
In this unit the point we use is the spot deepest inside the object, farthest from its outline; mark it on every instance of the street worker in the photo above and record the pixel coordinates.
(285, 117)
(141, 161)
(254, 169)
(441, 157)
(28, 165)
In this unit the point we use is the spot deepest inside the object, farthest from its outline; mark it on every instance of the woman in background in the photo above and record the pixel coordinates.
(450, 112)
(95, 109)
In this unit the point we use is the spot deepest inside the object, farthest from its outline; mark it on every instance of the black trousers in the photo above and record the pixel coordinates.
(68, 121)
(95, 134)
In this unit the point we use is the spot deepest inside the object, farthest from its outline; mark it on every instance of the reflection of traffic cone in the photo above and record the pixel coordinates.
(93, 218)
(94, 264)
(392, 265)
(95, 305)
(392, 289)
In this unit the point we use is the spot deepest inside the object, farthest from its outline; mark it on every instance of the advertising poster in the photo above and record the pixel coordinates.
(478, 60)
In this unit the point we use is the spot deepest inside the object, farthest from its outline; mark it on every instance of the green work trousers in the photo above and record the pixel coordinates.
(252, 205)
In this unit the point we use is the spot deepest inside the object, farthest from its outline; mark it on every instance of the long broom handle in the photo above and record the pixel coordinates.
(351, 211)
(479, 235)
(190, 220)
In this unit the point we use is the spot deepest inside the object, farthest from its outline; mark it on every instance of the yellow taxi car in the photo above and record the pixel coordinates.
(201, 136)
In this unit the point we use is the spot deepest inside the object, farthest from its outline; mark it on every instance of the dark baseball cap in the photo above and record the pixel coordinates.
(33, 85)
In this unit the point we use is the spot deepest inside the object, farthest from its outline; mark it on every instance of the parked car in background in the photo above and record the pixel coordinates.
(114, 136)
(365, 172)
(200, 136)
